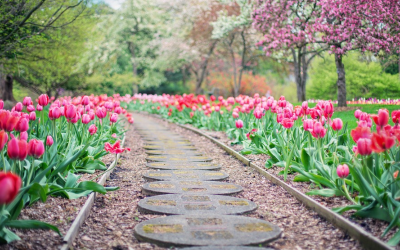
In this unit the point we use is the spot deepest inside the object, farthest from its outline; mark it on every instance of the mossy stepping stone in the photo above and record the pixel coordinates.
(190, 187)
(178, 158)
(183, 165)
(172, 152)
(195, 204)
(168, 143)
(204, 230)
(193, 175)
(162, 147)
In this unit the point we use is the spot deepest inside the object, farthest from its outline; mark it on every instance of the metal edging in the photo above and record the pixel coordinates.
(85, 210)
(366, 240)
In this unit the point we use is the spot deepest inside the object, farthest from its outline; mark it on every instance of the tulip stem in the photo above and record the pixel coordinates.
(346, 193)
(4, 161)
(28, 181)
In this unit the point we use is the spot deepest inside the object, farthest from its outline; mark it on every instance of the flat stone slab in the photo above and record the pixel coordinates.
(226, 248)
(183, 165)
(203, 230)
(178, 158)
(195, 204)
(168, 143)
(162, 139)
(192, 175)
(172, 152)
(190, 187)
(162, 147)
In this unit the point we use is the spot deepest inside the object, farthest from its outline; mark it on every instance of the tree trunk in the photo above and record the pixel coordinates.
(135, 84)
(299, 66)
(6, 86)
(183, 70)
(341, 81)
(203, 69)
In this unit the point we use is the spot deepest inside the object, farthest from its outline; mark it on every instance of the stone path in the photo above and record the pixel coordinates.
(189, 182)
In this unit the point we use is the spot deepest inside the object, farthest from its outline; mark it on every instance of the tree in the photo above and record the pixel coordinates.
(22, 24)
(347, 25)
(288, 29)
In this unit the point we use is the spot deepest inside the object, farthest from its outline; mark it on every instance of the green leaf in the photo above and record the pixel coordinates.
(394, 241)
(305, 159)
(326, 192)
(7, 236)
(375, 213)
(31, 224)
(301, 178)
(112, 188)
(340, 210)
(38, 190)
(90, 185)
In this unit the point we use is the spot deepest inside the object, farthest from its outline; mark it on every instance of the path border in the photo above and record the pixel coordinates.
(366, 240)
(87, 207)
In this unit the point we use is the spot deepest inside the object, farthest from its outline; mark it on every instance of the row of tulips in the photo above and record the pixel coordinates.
(44, 147)
(361, 165)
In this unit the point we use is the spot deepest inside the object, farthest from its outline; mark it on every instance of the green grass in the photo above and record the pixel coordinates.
(348, 116)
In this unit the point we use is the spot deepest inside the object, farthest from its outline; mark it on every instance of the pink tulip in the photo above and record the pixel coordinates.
(27, 101)
(101, 112)
(118, 110)
(3, 139)
(318, 130)
(49, 140)
(35, 148)
(24, 136)
(22, 125)
(32, 116)
(18, 107)
(92, 129)
(287, 123)
(86, 118)
(43, 100)
(114, 118)
(9, 185)
(11, 122)
(342, 171)
(1, 104)
(39, 107)
(70, 111)
(357, 113)
(85, 100)
(17, 149)
(337, 124)
(239, 124)
(364, 146)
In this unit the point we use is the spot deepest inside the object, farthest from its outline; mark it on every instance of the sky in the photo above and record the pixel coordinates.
(115, 4)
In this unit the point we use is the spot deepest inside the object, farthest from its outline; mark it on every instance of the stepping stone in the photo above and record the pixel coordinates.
(192, 175)
(161, 139)
(169, 158)
(172, 152)
(226, 248)
(169, 143)
(183, 165)
(190, 187)
(195, 204)
(203, 230)
(162, 147)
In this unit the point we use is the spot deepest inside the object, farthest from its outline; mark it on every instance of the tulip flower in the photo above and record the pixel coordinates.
(23, 136)
(39, 107)
(9, 185)
(22, 125)
(85, 100)
(18, 107)
(342, 171)
(381, 142)
(30, 108)
(115, 149)
(364, 146)
(287, 123)
(118, 110)
(86, 118)
(318, 130)
(17, 149)
(54, 113)
(27, 101)
(337, 124)
(395, 174)
(35, 148)
(101, 112)
(396, 116)
(357, 113)
(308, 124)
(32, 116)
(49, 140)
(360, 132)
(70, 112)
(3, 139)
(92, 129)
(239, 124)
(114, 118)
(43, 100)
(382, 118)
(1, 104)
(11, 123)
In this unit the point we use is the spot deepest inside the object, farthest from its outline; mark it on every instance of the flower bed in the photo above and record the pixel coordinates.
(45, 150)
(360, 165)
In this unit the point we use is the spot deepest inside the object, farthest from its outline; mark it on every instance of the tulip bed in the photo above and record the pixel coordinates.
(46, 148)
(361, 164)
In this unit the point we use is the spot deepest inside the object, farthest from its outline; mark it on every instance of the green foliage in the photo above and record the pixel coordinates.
(363, 79)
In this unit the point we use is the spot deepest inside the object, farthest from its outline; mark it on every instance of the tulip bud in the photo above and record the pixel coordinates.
(85, 100)
(30, 108)
(342, 171)
(70, 112)
(39, 107)
(17, 149)
(364, 146)
(27, 101)
(92, 129)
(114, 118)
(35, 148)
(86, 118)
(43, 100)
(318, 130)
(239, 124)
(32, 116)
(3, 139)
(101, 112)
(287, 123)
(18, 107)
(11, 122)
(23, 136)
(337, 124)
(357, 113)
(49, 140)
(22, 125)
(9, 185)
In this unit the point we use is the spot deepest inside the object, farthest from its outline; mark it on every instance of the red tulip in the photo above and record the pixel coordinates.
(22, 125)
(11, 122)
(382, 118)
(49, 140)
(3, 139)
(27, 101)
(92, 129)
(287, 123)
(396, 116)
(9, 185)
(364, 146)
(43, 100)
(70, 111)
(381, 142)
(318, 130)
(17, 149)
(360, 132)
(337, 124)
(239, 124)
(115, 149)
(342, 171)
(35, 148)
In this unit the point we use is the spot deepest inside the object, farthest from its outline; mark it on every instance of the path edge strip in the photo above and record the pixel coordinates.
(366, 240)
(87, 207)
